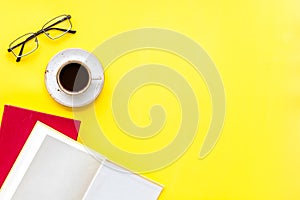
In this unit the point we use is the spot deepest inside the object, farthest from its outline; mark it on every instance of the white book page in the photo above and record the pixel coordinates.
(113, 182)
(52, 166)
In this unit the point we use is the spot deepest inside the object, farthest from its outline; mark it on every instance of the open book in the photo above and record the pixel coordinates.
(53, 166)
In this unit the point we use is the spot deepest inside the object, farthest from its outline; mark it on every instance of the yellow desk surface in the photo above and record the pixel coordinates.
(255, 46)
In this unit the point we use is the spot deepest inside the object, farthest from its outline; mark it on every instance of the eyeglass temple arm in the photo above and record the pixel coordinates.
(60, 29)
(20, 53)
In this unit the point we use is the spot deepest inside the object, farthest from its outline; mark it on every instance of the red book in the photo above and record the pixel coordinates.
(17, 124)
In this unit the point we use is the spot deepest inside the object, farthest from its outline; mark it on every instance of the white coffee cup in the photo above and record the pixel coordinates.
(74, 77)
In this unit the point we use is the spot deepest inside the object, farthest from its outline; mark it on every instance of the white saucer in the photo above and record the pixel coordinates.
(77, 100)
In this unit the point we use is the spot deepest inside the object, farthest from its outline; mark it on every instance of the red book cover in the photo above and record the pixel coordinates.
(17, 124)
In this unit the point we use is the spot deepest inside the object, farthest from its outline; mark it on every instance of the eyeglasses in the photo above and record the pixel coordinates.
(53, 29)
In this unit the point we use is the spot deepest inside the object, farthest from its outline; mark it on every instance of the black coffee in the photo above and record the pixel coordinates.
(73, 77)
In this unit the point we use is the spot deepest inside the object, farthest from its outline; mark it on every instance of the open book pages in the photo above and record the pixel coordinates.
(53, 166)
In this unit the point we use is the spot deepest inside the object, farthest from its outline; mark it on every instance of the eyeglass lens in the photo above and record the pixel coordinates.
(57, 27)
(25, 45)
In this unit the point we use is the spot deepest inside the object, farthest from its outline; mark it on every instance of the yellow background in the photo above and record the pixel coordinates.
(255, 46)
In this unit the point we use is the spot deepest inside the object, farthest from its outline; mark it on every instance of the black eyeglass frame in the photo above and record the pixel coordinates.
(43, 30)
